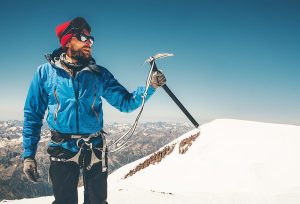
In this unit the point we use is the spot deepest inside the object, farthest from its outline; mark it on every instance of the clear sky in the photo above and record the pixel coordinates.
(233, 59)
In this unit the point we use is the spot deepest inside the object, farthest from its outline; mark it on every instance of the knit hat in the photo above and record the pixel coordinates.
(66, 30)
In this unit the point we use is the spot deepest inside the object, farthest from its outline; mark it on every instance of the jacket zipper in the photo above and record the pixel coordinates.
(76, 101)
(93, 107)
(57, 107)
(76, 93)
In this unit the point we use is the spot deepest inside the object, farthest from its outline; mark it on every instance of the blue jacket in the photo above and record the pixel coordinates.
(74, 104)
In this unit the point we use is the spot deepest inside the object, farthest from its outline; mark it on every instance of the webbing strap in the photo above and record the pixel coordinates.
(104, 167)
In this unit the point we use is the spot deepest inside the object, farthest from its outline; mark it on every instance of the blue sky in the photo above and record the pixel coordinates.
(233, 59)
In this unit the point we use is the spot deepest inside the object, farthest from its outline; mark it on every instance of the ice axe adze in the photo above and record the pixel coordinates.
(151, 60)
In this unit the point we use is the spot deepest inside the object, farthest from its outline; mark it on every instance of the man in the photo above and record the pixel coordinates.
(71, 87)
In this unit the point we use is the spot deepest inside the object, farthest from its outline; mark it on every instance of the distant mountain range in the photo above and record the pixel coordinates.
(148, 138)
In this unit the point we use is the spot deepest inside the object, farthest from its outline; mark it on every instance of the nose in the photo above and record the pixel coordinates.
(88, 42)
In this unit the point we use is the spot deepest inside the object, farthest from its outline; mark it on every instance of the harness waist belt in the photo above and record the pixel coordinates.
(58, 137)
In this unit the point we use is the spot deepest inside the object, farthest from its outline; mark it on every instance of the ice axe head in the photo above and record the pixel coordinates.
(159, 56)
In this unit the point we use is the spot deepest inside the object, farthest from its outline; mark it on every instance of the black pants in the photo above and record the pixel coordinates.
(65, 176)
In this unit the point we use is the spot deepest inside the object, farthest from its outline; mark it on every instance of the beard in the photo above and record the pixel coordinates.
(83, 55)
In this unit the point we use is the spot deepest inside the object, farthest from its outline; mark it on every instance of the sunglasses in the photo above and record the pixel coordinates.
(83, 37)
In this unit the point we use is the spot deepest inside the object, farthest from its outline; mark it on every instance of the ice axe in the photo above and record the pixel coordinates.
(123, 141)
(151, 60)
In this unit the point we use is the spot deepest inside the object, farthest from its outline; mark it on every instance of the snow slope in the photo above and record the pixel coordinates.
(231, 161)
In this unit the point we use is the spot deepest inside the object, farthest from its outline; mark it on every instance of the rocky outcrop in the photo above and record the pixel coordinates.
(153, 159)
(186, 143)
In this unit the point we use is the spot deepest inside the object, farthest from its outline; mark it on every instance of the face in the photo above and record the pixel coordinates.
(79, 50)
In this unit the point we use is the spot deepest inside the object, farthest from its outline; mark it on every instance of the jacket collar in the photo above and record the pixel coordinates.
(55, 59)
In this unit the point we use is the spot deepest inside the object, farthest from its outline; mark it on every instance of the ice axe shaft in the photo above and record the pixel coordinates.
(175, 99)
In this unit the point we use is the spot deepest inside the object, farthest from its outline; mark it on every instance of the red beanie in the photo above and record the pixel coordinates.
(59, 30)
(66, 30)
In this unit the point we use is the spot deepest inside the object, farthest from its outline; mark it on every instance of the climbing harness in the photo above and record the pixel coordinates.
(86, 157)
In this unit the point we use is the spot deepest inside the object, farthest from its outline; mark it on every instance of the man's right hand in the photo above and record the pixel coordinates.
(30, 170)
(158, 79)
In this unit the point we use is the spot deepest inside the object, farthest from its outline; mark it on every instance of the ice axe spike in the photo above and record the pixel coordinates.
(151, 60)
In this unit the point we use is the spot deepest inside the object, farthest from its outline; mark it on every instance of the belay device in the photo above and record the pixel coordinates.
(123, 140)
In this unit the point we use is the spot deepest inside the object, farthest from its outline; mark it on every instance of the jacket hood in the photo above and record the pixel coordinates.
(54, 59)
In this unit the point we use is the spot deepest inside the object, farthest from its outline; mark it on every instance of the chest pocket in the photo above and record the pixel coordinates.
(96, 104)
(56, 109)
(60, 91)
